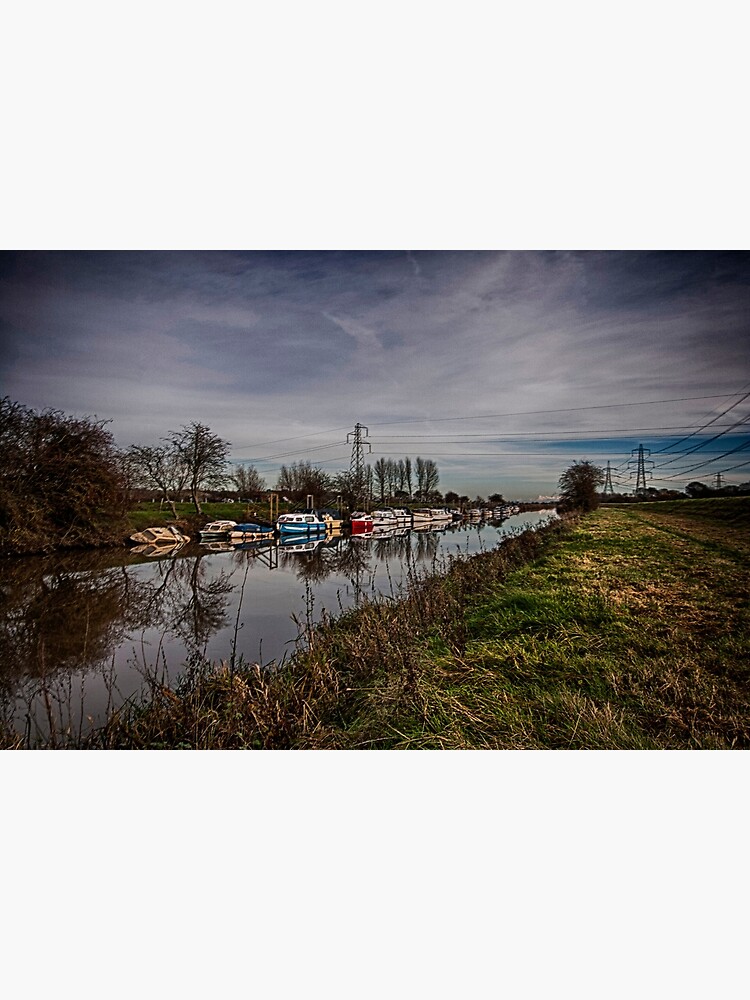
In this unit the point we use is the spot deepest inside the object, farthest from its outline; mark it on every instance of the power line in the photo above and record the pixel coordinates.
(697, 447)
(501, 437)
(717, 417)
(567, 409)
(685, 472)
(298, 437)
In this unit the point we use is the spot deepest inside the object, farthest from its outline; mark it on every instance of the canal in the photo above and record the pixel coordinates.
(80, 633)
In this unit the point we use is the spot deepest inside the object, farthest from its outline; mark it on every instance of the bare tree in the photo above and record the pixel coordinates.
(205, 455)
(159, 467)
(407, 477)
(303, 477)
(427, 476)
(248, 480)
(380, 473)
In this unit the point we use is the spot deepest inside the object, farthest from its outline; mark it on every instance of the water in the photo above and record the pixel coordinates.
(82, 632)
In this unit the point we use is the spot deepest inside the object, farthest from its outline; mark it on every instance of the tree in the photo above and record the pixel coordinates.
(61, 480)
(496, 498)
(427, 476)
(380, 472)
(696, 489)
(205, 456)
(158, 467)
(248, 480)
(579, 486)
(407, 477)
(304, 478)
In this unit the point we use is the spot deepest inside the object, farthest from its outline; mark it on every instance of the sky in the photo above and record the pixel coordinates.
(504, 367)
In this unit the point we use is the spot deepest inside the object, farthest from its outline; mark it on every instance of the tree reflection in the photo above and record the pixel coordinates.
(68, 615)
(195, 606)
(65, 613)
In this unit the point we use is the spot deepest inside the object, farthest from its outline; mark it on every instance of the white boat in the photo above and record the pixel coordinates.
(402, 515)
(168, 535)
(422, 515)
(384, 519)
(216, 531)
(440, 514)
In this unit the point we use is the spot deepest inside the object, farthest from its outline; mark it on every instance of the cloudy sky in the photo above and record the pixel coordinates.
(501, 366)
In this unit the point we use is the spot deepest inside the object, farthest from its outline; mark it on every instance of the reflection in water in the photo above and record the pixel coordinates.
(69, 614)
(79, 632)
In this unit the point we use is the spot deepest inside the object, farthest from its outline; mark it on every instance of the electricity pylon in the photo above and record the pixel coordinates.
(608, 488)
(642, 472)
(357, 472)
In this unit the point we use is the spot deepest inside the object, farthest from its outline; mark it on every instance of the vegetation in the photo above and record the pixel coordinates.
(62, 482)
(626, 629)
(579, 487)
(248, 481)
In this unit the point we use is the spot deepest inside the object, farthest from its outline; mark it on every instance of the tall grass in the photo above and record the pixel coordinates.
(348, 676)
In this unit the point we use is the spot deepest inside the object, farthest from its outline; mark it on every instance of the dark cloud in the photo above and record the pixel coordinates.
(263, 345)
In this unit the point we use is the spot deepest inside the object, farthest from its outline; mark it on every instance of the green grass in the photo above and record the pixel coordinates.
(146, 515)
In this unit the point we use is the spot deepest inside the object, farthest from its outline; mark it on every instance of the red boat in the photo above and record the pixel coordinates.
(361, 523)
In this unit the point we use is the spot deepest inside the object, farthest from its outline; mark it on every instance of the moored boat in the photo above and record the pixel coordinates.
(384, 519)
(440, 514)
(332, 518)
(422, 515)
(300, 524)
(216, 531)
(402, 515)
(361, 522)
(168, 535)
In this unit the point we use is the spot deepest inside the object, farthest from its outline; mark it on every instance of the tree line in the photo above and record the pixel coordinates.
(65, 483)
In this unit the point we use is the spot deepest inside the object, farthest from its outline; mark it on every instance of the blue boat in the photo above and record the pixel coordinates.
(301, 524)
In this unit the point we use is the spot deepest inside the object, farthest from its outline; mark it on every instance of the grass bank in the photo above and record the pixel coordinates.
(628, 629)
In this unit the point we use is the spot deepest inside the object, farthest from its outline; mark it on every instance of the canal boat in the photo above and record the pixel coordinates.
(216, 531)
(361, 523)
(300, 524)
(168, 535)
(422, 515)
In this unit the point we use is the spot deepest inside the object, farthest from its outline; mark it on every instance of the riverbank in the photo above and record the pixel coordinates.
(625, 630)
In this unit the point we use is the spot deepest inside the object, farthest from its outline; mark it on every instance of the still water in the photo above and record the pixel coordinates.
(81, 632)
